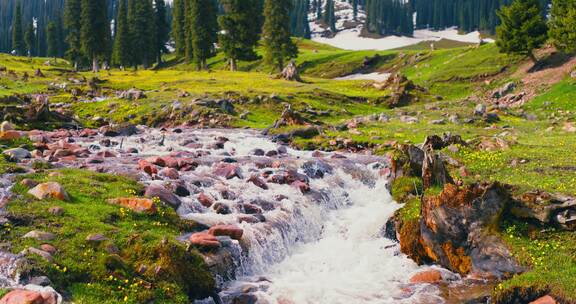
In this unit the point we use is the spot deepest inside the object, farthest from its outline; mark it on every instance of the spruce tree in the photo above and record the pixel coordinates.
(142, 33)
(121, 51)
(204, 28)
(94, 31)
(563, 25)
(329, 16)
(178, 27)
(18, 44)
(240, 28)
(189, 50)
(278, 45)
(72, 25)
(30, 40)
(522, 28)
(52, 40)
(162, 29)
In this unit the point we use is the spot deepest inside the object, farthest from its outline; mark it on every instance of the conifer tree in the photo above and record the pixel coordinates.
(278, 44)
(329, 15)
(72, 25)
(522, 28)
(178, 27)
(204, 28)
(94, 31)
(162, 29)
(189, 50)
(30, 40)
(563, 25)
(142, 31)
(52, 40)
(17, 33)
(121, 51)
(240, 28)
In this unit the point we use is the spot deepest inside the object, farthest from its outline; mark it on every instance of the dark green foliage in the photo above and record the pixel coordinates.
(204, 28)
(178, 27)
(72, 25)
(239, 30)
(121, 52)
(522, 28)
(329, 16)
(563, 25)
(162, 29)
(17, 33)
(142, 28)
(94, 31)
(278, 46)
(389, 17)
(52, 39)
(30, 40)
(299, 24)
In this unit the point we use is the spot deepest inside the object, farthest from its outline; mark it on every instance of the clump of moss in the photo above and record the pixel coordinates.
(139, 259)
(405, 186)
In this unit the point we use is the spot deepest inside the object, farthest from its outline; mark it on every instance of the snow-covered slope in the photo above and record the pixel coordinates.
(348, 34)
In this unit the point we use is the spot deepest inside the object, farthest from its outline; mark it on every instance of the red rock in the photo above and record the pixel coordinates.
(141, 205)
(229, 171)
(170, 173)
(544, 300)
(304, 187)
(10, 135)
(49, 190)
(147, 167)
(87, 133)
(62, 153)
(48, 248)
(258, 182)
(205, 240)
(428, 276)
(227, 230)
(21, 296)
(205, 199)
(106, 154)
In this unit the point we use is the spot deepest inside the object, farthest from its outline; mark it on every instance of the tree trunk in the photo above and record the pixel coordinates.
(95, 67)
(159, 59)
(233, 65)
(280, 65)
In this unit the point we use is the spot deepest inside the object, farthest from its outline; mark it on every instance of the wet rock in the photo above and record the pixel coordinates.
(455, 229)
(228, 171)
(221, 208)
(232, 231)
(147, 167)
(428, 276)
(163, 194)
(205, 199)
(251, 209)
(544, 300)
(17, 154)
(119, 130)
(258, 182)
(170, 173)
(302, 186)
(87, 133)
(22, 296)
(257, 152)
(140, 205)
(182, 191)
(272, 153)
(39, 235)
(204, 240)
(49, 190)
(316, 169)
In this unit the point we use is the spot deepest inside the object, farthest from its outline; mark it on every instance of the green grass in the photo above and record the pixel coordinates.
(560, 96)
(550, 257)
(94, 273)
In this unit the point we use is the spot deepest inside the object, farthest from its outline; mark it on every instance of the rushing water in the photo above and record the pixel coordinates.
(323, 247)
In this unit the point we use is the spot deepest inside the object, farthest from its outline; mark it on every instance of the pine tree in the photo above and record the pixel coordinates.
(240, 28)
(72, 25)
(17, 34)
(563, 25)
(94, 31)
(522, 28)
(142, 31)
(329, 15)
(30, 40)
(204, 28)
(121, 51)
(52, 40)
(162, 29)
(278, 44)
(178, 27)
(189, 50)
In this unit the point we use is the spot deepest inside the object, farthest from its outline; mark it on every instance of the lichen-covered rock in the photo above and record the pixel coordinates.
(141, 205)
(456, 229)
(49, 190)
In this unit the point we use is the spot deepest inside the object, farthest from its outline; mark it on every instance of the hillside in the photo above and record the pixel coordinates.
(522, 136)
